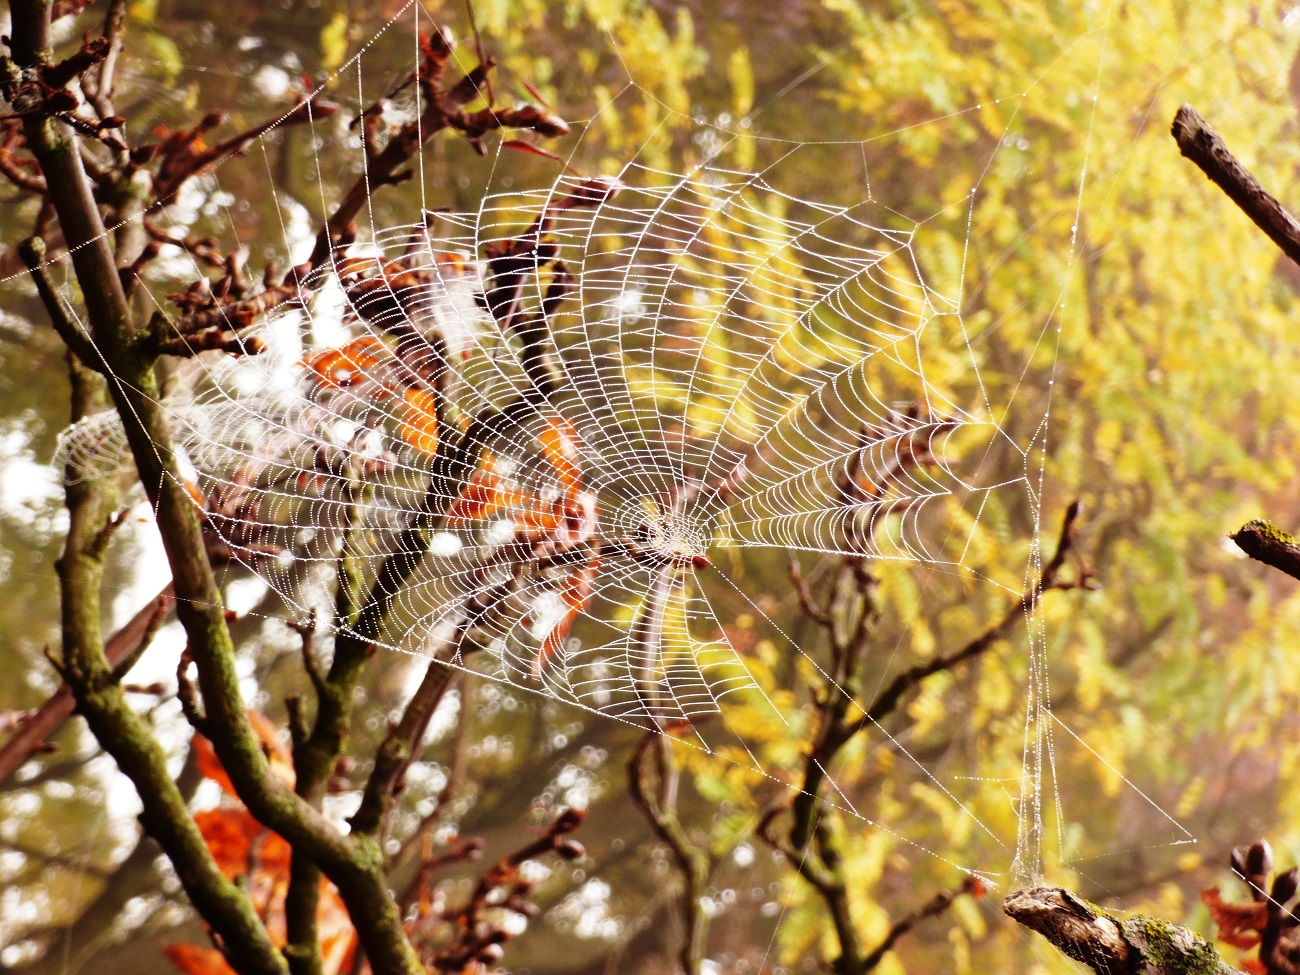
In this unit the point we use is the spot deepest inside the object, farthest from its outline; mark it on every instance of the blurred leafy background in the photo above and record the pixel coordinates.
(1172, 415)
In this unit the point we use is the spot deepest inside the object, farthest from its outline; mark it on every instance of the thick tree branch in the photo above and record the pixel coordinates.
(1203, 146)
(101, 699)
(1138, 945)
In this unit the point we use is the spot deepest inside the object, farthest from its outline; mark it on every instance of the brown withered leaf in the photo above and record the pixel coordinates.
(1239, 924)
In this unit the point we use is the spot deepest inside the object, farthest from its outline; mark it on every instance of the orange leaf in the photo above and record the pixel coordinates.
(228, 837)
(277, 754)
(522, 146)
(195, 494)
(355, 265)
(560, 449)
(1239, 924)
(479, 498)
(419, 426)
(338, 938)
(210, 766)
(576, 594)
(194, 960)
(484, 494)
(453, 262)
(577, 588)
(536, 521)
(239, 843)
(343, 366)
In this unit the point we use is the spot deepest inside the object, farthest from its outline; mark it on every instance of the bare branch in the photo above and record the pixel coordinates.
(1203, 146)
(400, 746)
(354, 864)
(658, 803)
(889, 699)
(33, 252)
(935, 906)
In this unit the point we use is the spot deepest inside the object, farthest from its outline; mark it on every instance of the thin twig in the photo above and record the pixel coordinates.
(935, 906)
(889, 699)
(32, 251)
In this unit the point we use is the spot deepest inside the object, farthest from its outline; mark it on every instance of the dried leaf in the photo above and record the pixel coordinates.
(240, 844)
(1239, 924)
(276, 752)
(344, 366)
(559, 442)
(521, 146)
(485, 493)
(554, 640)
(338, 938)
(419, 426)
(576, 594)
(195, 960)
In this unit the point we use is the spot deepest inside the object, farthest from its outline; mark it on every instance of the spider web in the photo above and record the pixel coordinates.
(712, 398)
(740, 375)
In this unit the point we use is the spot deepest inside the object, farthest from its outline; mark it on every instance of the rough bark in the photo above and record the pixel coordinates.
(1203, 146)
(1137, 945)
(1265, 542)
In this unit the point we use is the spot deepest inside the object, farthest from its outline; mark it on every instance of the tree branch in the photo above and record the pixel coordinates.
(659, 806)
(101, 699)
(32, 251)
(935, 906)
(889, 699)
(1265, 542)
(133, 635)
(355, 865)
(1203, 146)
(399, 747)
(1110, 945)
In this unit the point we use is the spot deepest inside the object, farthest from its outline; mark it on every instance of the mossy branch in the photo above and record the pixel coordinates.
(355, 866)
(1264, 542)
(1111, 945)
(654, 790)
